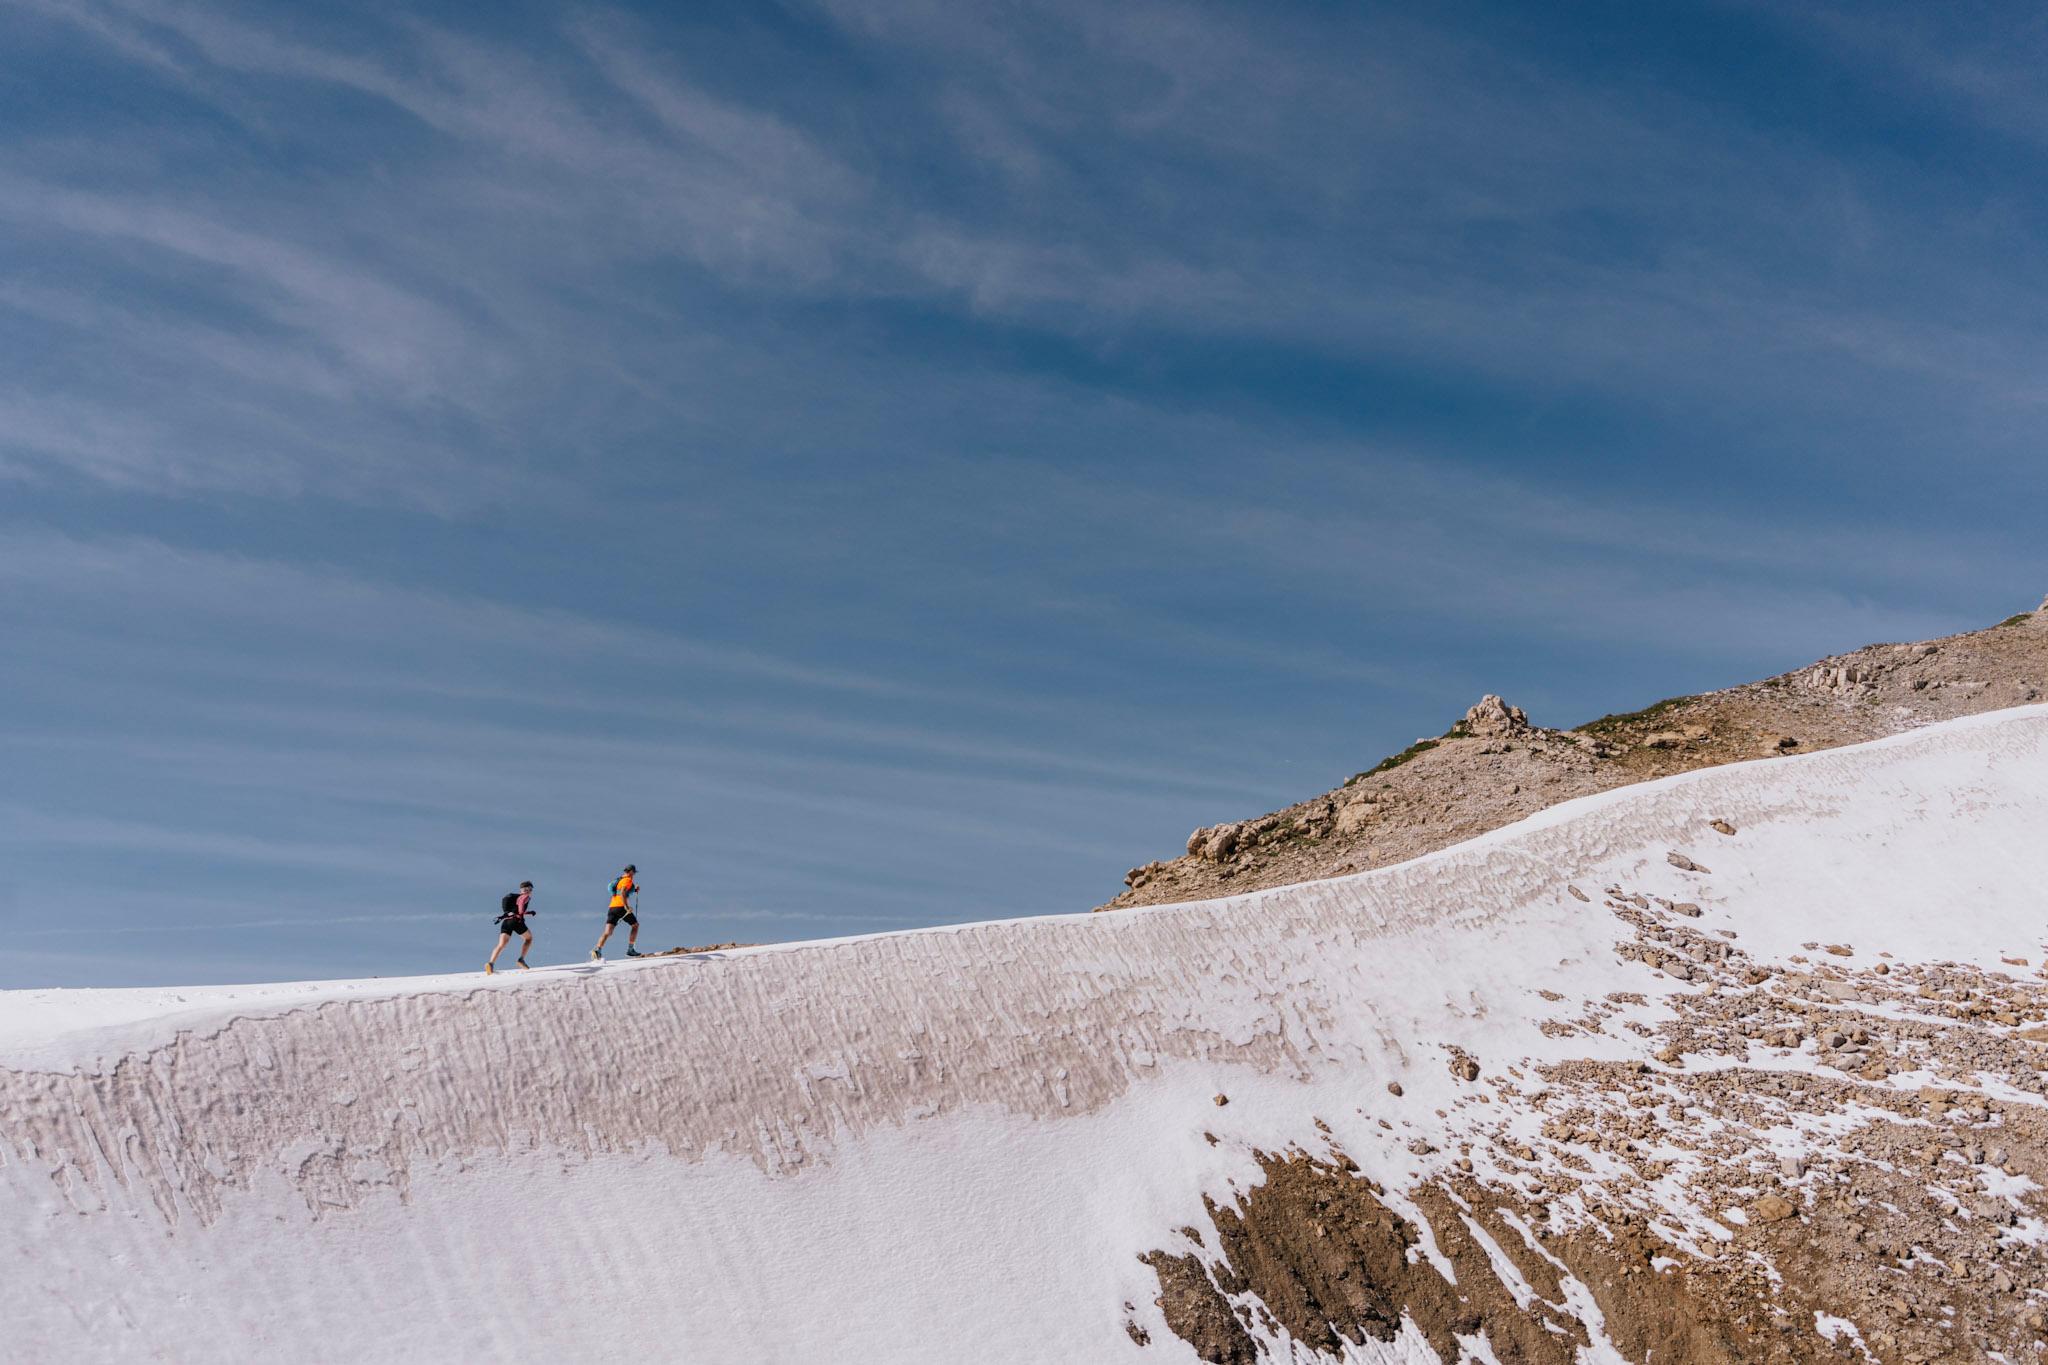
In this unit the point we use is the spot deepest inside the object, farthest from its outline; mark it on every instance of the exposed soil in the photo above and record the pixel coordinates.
(1493, 767)
(1829, 1194)
(1313, 1253)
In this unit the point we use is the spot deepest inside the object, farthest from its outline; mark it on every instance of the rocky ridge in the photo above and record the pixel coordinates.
(1494, 767)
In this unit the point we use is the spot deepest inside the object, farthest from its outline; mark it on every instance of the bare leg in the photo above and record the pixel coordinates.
(503, 939)
(633, 933)
(525, 947)
(604, 937)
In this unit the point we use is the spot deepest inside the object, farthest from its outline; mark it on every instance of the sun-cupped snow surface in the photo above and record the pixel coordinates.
(927, 1146)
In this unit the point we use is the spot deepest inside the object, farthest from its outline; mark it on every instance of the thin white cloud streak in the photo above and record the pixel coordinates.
(1378, 536)
(1154, 761)
(165, 338)
(374, 755)
(152, 580)
(1746, 582)
(391, 338)
(312, 919)
(1989, 69)
(30, 825)
(404, 763)
(335, 604)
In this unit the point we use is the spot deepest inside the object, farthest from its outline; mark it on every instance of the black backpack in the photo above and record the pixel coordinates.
(509, 906)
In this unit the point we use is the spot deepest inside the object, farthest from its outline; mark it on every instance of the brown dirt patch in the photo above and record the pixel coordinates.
(1906, 1211)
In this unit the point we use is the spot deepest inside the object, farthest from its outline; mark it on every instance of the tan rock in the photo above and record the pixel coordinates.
(1215, 843)
(1492, 718)
(1355, 814)
(1772, 1208)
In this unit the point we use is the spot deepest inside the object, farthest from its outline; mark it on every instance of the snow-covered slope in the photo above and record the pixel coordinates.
(953, 1144)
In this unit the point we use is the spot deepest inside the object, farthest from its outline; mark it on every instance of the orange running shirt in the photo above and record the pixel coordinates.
(619, 889)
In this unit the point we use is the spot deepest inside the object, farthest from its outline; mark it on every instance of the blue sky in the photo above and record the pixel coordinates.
(882, 464)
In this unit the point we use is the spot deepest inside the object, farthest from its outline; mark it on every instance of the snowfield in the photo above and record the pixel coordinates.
(943, 1145)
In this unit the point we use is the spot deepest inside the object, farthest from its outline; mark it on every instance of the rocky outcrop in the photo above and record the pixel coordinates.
(1494, 766)
(1215, 843)
(1492, 718)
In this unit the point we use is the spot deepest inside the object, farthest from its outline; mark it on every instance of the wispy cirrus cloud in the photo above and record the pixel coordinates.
(1594, 231)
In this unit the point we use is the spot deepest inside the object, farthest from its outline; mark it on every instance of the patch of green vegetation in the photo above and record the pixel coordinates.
(1459, 731)
(1386, 765)
(1607, 725)
(2015, 620)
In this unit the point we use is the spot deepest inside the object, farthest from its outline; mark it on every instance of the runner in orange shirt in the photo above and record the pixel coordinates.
(624, 896)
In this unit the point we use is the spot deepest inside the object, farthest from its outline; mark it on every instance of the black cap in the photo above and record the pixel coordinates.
(631, 868)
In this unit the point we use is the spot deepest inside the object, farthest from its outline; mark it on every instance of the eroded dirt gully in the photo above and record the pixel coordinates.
(1494, 767)
(1837, 1158)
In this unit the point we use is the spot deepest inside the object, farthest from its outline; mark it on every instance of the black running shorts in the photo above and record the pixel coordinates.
(512, 924)
(615, 914)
